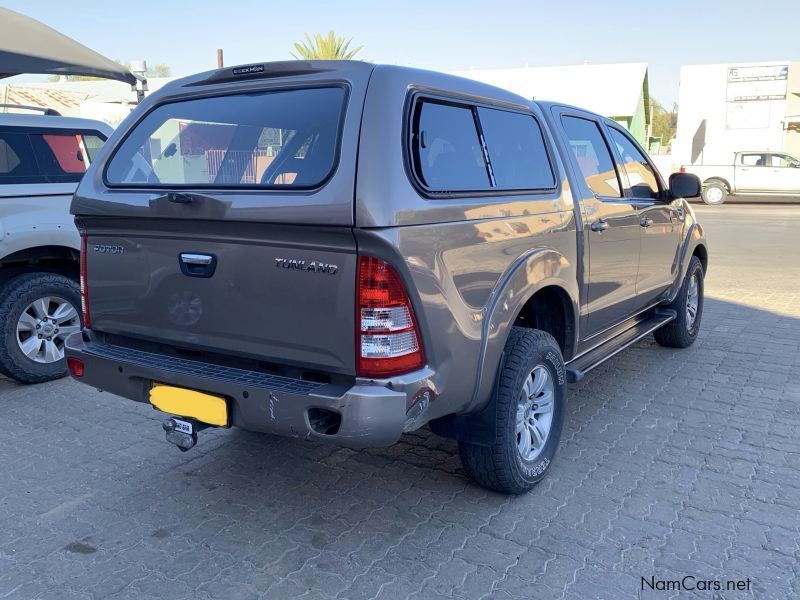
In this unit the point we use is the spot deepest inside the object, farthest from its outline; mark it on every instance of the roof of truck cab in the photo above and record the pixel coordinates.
(324, 69)
(546, 105)
(52, 122)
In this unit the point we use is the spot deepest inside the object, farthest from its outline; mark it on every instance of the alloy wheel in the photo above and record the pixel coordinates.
(535, 413)
(692, 301)
(44, 325)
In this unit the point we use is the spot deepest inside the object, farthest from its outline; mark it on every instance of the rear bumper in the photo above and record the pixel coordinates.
(370, 415)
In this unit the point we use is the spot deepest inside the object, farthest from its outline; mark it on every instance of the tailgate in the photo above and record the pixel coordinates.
(283, 294)
(218, 216)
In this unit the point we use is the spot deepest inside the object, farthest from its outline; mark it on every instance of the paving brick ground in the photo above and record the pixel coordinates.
(673, 463)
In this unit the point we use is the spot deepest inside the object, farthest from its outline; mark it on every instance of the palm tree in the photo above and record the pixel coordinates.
(325, 47)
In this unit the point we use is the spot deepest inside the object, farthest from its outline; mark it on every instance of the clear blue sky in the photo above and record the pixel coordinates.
(435, 34)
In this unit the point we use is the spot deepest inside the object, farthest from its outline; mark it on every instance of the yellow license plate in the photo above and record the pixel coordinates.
(189, 403)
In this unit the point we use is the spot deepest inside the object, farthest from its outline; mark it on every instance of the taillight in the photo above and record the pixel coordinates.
(84, 285)
(75, 366)
(388, 340)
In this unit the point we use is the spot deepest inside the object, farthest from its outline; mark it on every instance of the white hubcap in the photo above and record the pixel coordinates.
(535, 413)
(714, 195)
(44, 325)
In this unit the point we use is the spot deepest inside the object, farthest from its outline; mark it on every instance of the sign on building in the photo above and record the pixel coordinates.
(750, 92)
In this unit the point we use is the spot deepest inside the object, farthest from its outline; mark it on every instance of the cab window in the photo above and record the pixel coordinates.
(642, 178)
(592, 156)
(784, 160)
(754, 160)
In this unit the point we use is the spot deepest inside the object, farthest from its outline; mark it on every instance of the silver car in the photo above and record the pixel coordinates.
(42, 159)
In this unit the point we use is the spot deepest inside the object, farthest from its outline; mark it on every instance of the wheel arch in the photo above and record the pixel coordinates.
(550, 309)
(694, 244)
(701, 252)
(60, 259)
(541, 288)
(717, 179)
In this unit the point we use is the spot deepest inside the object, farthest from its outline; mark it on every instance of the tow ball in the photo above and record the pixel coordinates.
(182, 432)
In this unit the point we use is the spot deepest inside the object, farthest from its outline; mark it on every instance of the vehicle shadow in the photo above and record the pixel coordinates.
(255, 513)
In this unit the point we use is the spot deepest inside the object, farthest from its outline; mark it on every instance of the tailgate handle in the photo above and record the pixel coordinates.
(195, 264)
(179, 198)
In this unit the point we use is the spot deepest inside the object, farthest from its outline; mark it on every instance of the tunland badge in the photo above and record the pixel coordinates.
(301, 265)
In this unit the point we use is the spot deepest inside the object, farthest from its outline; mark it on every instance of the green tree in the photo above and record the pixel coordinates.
(325, 47)
(159, 70)
(664, 122)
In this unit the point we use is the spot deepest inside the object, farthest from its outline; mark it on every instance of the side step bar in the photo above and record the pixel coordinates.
(579, 366)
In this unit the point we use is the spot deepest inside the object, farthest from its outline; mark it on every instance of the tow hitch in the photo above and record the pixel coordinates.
(182, 432)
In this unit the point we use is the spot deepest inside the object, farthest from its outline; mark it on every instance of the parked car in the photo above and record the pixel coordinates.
(42, 159)
(342, 251)
(761, 173)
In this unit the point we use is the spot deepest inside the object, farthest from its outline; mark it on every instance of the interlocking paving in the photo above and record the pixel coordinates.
(673, 463)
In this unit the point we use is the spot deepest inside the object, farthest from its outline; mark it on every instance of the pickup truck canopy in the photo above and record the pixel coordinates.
(28, 46)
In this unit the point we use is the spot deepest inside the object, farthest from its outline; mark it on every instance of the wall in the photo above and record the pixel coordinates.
(791, 142)
(732, 107)
(639, 126)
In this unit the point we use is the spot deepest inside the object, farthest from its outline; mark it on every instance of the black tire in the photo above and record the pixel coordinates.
(714, 192)
(501, 466)
(682, 332)
(18, 294)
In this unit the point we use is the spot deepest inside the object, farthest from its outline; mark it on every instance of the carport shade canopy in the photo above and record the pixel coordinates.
(29, 46)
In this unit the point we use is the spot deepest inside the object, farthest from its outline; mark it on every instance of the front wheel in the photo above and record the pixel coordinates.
(37, 313)
(529, 404)
(682, 331)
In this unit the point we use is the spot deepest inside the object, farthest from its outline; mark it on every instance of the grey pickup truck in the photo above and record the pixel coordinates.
(342, 251)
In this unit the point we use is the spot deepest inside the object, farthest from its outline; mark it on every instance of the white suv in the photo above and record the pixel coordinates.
(42, 159)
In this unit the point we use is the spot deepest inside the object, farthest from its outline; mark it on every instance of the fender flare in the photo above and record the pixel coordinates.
(509, 296)
(695, 237)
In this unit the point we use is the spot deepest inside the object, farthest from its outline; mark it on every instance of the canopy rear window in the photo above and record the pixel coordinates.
(286, 139)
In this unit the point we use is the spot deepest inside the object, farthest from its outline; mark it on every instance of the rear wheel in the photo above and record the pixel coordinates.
(683, 330)
(529, 403)
(37, 313)
(714, 192)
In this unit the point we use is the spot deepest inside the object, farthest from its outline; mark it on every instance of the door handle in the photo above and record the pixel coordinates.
(599, 225)
(646, 222)
(197, 265)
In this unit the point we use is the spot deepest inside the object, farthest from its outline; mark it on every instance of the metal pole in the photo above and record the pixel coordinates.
(220, 62)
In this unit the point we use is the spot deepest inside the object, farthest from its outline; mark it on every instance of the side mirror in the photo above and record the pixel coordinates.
(684, 185)
(170, 150)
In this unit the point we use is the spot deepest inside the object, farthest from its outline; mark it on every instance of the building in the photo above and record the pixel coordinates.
(100, 99)
(727, 108)
(618, 91)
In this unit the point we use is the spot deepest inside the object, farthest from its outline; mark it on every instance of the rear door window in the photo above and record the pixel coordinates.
(754, 160)
(46, 155)
(592, 156)
(64, 157)
(17, 162)
(279, 139)
(448, 152)
(516, 148)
